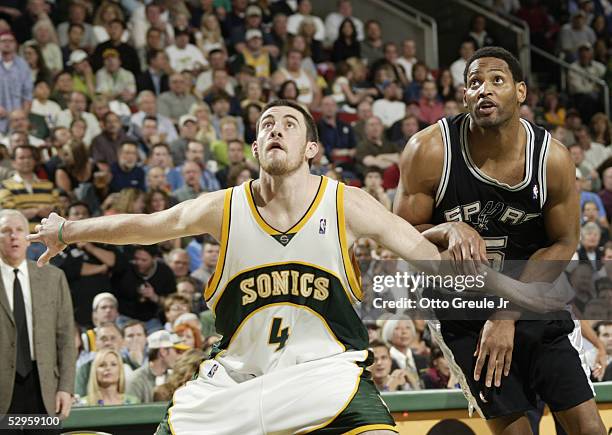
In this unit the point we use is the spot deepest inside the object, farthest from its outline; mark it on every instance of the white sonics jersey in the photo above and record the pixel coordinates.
(282, 299)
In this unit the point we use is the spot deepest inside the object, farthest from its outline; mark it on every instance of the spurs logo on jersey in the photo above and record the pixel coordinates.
(284, 297)
(479, 216)
(509, 218)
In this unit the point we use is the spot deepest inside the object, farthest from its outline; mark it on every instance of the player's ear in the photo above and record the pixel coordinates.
(464, 97)
(312, 148)
(254, 149)
(521, 92)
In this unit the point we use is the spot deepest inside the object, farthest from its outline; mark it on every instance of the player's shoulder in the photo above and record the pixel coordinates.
(558, 157)
(427, 144)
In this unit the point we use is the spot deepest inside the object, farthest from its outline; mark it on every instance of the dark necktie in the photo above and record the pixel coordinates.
(24, 358)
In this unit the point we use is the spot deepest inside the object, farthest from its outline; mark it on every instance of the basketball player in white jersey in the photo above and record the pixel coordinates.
(293, 354)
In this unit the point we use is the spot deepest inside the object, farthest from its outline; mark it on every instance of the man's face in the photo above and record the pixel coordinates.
(75, 36)
(305, 7)
(61, 137)
(175, 310)
(154, 39)
(149, 128)
(169, 356)
(430, 92)
(191, 174)
(77, 213)
(24, 161)
(607, 179)
(581, 280)
(186, 289)
(160, 157)
(329, 108)
(108, 338)
(280, 24)
(189, 130)
(78, 103)
(577, 154)
(156, 177)
(147, 104)
(135, 337)
(294, 61)
(143, 261)
(373, 180)
(177, 84)
(221, 107)
(106, 311)
(195, 152)
(115, 32)
(181, 40)
(42, 91)
(382, 363)
(409, 49)
(77, 14)
(210, 255)
(391, 53)
(373, 31)
(281, 140)
(491, 96)
(19, 121)
(590, 212)
(374, 129)
(7, 44)
(13, 244)
(128, 156)
(229, 131)
(255, 43)
(590, 239)
(364, 110)
(217, 60)
(179, 263)
(410, 127)
(112, 64)
(18, 138)
(605, 335)
(112, 124)
(235, 152)
(582, 137)
(467, 50)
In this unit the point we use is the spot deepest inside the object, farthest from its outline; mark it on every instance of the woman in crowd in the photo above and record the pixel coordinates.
(253, 95)
(157, 199)
(601, 129)
(62, 88)
(288, 91)
(438, 375)
(46, 38)
(399, 334)
(307, 30)
(36, 62)
(206, 131)
(128, 200)
(346, 45)
(554, 112)
(446, 87)
(76, 174)
(191, 335)
(250, 116)
(209, 35)
(106, 381)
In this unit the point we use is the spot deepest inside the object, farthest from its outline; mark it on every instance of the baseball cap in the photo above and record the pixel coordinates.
(184, 318)
(253, 33)
(185, 118)
(110, 52)
(77, 56)
(253, 10)
(101, 296)
(164, 339)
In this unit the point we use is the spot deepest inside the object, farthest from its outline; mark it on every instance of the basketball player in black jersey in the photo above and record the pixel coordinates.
(491, 187)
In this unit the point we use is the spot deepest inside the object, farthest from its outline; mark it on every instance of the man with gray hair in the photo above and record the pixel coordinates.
(147, 106)
(589, 251)
(37, 351)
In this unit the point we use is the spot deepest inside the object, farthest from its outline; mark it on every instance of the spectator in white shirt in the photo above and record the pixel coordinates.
(185, 56)
(114, 81)
(305, 10)
(457, 67)
(594, 153)
(390, 108)
(334, 19)
(408, 57)
(41, 105)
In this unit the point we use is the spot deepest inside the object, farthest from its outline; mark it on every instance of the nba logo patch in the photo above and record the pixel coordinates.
(322, 226)
(212, 371)
(535, 191)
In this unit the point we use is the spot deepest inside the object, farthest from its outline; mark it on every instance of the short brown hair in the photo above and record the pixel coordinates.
(175, 297)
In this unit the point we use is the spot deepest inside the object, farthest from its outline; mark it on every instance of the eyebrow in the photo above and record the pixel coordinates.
(284, 116)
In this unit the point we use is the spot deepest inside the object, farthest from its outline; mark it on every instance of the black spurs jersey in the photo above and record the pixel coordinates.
(509, 218)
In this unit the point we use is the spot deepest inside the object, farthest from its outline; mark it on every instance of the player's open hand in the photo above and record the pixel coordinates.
(47, 232)
(497, 343)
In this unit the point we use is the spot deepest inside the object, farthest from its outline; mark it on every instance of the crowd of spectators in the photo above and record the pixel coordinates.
(124, 106)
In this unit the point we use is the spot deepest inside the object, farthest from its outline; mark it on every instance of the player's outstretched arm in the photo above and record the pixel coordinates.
(365, 217)
(197, 216)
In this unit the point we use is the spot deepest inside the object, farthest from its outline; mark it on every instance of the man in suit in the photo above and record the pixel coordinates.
(37, 352)
(155, 77)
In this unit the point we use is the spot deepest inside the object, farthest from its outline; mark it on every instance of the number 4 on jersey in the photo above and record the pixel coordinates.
(277, 335)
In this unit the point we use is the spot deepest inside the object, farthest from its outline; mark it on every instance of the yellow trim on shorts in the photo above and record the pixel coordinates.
(280, 263)
(291, 305)
(225, 223)
(352, 272)
(300, 224)
(350, 399)
(368, 427)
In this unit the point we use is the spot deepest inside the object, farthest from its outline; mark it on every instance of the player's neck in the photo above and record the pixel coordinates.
(284, 189)
(504, 137)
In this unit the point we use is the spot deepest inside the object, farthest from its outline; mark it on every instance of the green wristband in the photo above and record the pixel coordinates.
(59, 233)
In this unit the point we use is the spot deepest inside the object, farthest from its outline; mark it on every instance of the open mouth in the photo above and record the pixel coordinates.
(275, 146)
(486, 107)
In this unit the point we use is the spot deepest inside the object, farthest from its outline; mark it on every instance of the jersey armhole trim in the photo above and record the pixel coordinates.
(211, 288)
(447, 162)
(542, 166)
(352, 275)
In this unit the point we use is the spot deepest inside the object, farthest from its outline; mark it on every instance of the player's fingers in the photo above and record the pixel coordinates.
(482, 355)
(44, 258)
(466, 259)
(499, 370)
(491, 368)
(507, 362)
(34, 238)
